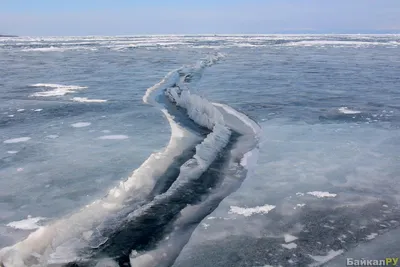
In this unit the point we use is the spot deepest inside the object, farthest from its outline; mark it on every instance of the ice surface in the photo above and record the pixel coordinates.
(323, 259)
(355, 161)
(114, 137)
(289, 246)
(249, 159)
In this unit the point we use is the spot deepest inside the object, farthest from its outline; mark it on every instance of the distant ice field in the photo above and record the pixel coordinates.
(120, 43)
(326, 185)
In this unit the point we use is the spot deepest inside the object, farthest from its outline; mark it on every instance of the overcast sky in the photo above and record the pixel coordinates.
(125, 17)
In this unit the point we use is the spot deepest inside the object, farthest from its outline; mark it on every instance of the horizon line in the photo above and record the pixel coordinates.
(205, 34)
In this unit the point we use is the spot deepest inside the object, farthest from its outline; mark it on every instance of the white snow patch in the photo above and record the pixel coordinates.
(80, 124)
(289, 246)
(299, 194)
(16, 140)
(20, 110)
(30, 223)
(113, 137)
(58, 89)
(58, 49)
(87, 100)
(345, 110)
(12, 152)
(205, 225)
(336, 43)
(321, 194)
(250, 211)
(328, 226)
(38, 109)
(371, 236)
(11, 116)
(289, 238)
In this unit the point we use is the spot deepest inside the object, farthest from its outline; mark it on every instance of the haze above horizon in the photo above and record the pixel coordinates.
(56, 18)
